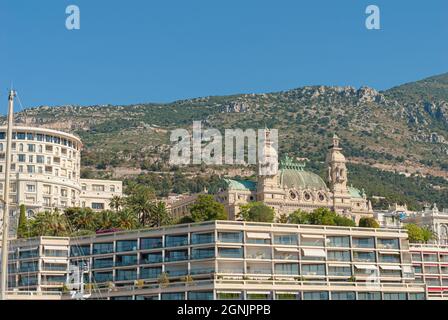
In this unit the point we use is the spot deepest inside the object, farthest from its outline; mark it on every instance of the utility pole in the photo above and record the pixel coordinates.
(5, 235)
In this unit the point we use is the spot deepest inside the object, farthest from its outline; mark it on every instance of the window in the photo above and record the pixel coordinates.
(394, 296)
(316, 295)
(364, 256)
(287, 268)
(103, 263)
(417, 296)
(349, 295)
(388, 244)
(112, 188)
(176, 240)
(339, 271)
(202, 253)
(416, 257)
(102, 248)
(98, 187)
(390, 258)
(229, 295)
(31, 148)
(176, 255)
(173, 296)
(432, 269)
(125, 260)
(31, 169)
(338, 255)
(230, 252)
(126, 274)
(150, 273)
(76, 251)
(126, 245)
(151, 243)
(154, 257)
(338, 241)
(430, 257)
(21, 157)
(40, 159)
(198, 238)
(287, 239)
(103, 276)
(363, 243)
(233, 237)
(30, 188)
(313, 269)
(369, 296)
(97, 206)
(200, 295)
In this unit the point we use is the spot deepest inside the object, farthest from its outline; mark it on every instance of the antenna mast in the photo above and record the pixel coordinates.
(5, 225)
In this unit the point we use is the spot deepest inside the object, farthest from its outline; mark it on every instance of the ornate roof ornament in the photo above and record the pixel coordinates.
(290, 163)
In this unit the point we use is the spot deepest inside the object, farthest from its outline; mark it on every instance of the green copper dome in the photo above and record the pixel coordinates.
(293, 175)
(244, 185)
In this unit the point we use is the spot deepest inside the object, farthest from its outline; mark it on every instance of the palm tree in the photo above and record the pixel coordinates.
(159, 216)
(126, 220)
(105, 220)
(83, 219)
(116, 203)
(140, 201)
(49, 224)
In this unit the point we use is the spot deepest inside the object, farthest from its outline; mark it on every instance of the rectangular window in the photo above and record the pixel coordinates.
(230, 237)
(394, 296)
(313, 269)
(202, 253)
(338, 255)
(151, 243)
(176, 240)
(173, 296)
(98, 188)
(388, 244)
(21, 157)
(349, 295)
(200, 295)
(338, 242)
(150, 273)
(176, 255)
(369, 296)
(230, 252)
(389, 258)
(287, 268)
(125, 260)
(103, 263)
(97, 206)
(339, 271)
(126, 275)
(102, 248)
(126, 245)
(361, 256)
(199, 238)
(316, 295)
(153, 257)
(363, 242)
(103, 277)
(77, 251)
(286, 239)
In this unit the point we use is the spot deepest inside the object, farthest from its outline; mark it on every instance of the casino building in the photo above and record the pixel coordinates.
(293, 188)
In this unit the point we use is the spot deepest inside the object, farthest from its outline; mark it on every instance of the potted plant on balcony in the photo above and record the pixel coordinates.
(352, 279)
(163, 280)
(188, 280)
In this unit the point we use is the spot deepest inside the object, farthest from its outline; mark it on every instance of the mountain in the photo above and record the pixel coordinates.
(403, 129)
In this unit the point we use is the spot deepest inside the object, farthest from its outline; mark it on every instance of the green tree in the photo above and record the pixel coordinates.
(140, 200)
(257, 211)
(368, 222)
(184, 219)
(299, 217)
(159, 215)
(80, 218)
(104, 220)
(126, 220)
(22, 228)
(320, 216)
(49, 224)
(206, 208)
(415, 233)
(428, 234)
(116, 203)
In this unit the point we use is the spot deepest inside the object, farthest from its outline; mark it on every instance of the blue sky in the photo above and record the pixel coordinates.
(159, 51)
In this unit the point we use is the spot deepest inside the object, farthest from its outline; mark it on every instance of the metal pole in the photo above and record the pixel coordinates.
(5, 235)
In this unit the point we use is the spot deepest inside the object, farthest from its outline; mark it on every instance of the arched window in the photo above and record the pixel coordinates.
(21, 147)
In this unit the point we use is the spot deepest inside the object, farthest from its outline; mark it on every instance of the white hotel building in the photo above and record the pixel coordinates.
(45, 172)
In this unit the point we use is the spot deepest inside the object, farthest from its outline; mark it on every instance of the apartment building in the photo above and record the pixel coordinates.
(245, 260)
(430, 265)
(38, 264)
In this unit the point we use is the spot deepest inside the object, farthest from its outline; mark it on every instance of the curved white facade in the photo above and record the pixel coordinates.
(45, 172)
